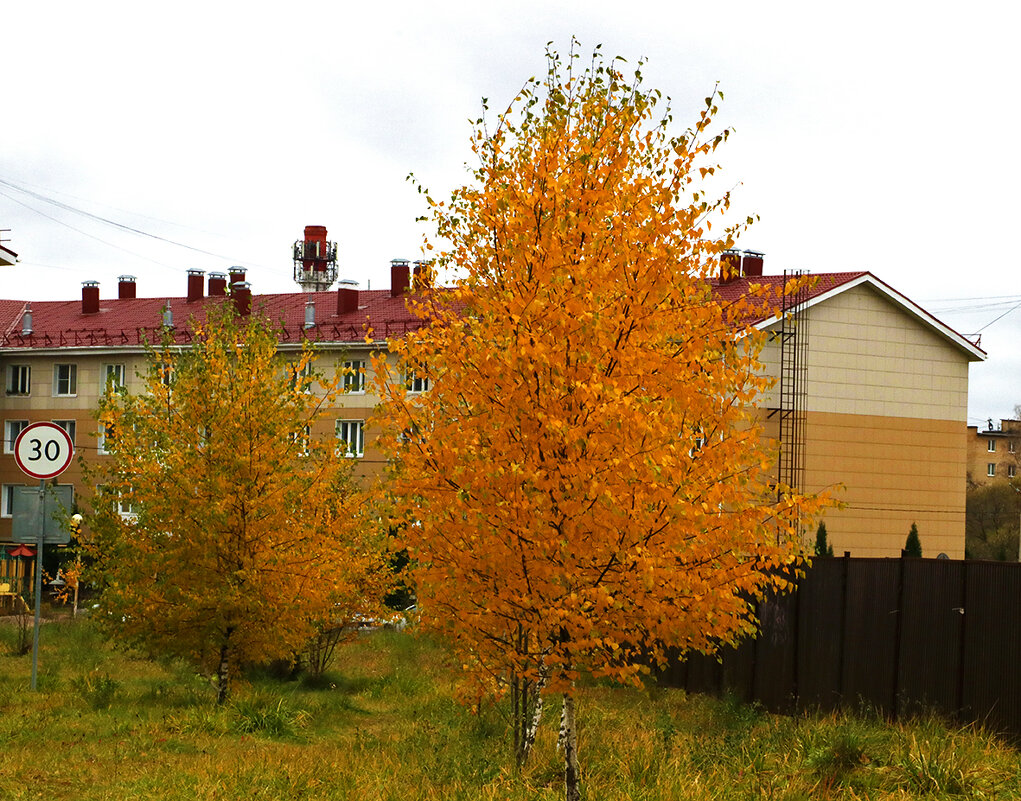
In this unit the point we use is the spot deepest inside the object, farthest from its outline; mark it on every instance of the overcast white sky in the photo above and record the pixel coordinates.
(878, 136)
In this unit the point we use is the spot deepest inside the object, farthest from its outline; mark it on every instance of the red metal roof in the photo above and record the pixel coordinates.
(132, 321)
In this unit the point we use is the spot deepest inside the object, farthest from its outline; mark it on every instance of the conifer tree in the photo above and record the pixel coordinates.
(913, 545)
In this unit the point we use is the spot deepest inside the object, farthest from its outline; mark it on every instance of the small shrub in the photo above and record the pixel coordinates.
(95, 689)
(935, 768)
(258, 714)
(835, 760)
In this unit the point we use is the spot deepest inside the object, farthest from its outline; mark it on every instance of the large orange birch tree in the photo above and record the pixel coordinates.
(585, 481)
(223, 527)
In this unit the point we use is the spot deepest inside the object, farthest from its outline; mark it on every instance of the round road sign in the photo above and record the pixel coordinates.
(43, 450)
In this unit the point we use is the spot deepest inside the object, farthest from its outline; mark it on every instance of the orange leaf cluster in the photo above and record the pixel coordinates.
(586, 482)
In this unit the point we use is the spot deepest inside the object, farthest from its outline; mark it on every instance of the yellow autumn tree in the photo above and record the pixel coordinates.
(223, 527)
(582, 470)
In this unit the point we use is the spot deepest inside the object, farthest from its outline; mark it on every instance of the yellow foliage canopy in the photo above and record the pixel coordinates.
(586, 482)
(224, 528)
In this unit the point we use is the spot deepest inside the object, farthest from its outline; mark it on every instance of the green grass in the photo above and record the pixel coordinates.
(383, 724)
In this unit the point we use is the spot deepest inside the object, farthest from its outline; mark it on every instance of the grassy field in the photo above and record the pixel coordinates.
(385, 725)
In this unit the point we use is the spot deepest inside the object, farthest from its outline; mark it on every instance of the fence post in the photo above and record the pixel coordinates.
(897, 637)
(843, 627)
(959, 712)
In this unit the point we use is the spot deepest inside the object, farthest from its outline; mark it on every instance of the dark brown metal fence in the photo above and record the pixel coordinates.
(897, 636)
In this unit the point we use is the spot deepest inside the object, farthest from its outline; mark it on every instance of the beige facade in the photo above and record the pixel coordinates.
(885, 403)
(49, 400)
(883, 388)
(994, 454)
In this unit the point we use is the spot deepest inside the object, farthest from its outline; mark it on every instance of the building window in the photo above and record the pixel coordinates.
(113, 374)
(1011, 446)
(7, 499)
(352, 434)
(302, 379)
(991, 470)
(11, 430)
(1011, 470)
(104, 439)
(991, 445)
(125, 508)
(65, 380)
(354, 376)
(19, 379)
(302, 440)
(69, 426)
(416, 382)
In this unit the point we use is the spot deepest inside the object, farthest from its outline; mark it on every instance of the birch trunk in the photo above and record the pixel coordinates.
(569, 738)
(223, 670)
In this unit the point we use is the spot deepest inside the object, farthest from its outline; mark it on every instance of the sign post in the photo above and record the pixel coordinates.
(43, 450)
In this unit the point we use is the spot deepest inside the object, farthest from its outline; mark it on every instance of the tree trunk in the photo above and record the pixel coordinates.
(532, 717)
(223, 669)
(569, 740)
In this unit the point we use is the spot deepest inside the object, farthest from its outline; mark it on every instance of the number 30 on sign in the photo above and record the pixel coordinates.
(43, 450)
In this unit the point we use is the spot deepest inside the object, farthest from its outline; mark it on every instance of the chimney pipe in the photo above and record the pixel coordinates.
(125, 287)
(423, 276)
(347, 300)
(752, 264)
(217, 285)
(310, 313)
(26, 321)
(242, 292)
(195, 282)
(237, 275)
(90, 297)
(730, 265)
(400, 277)
(168, 316)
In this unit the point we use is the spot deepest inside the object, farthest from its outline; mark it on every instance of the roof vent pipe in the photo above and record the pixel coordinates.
(217, 285)
(242, 293)
(125, 287)
(168, 316)
(400, 277)
(26, 321)
(90, 297)
(195, 282)
(310, 313)
(752, 264)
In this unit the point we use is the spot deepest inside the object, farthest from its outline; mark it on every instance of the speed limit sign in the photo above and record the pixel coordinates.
(43, 450)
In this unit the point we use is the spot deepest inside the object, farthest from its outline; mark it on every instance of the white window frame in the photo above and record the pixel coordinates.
(302, 439)
(991, 470)
(354, 377)
(1011, 470)
(1011, 446)
(352, 434)
(415, 382)
(22, 385)
(71, 380)
(10, 435)
(101, 441)
(70, 426)
(115, 373)
(991, 446)
(7, 499)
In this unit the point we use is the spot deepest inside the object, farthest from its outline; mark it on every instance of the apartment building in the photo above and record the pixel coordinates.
(870, 400)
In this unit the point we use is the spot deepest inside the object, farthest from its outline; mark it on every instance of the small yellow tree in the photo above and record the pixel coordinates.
(586, 481)
(223, 529)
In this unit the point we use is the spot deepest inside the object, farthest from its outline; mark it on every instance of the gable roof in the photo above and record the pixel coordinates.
(829, 285)
(131, 322)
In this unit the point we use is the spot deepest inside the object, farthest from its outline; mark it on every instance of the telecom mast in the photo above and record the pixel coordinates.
(315, 260)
